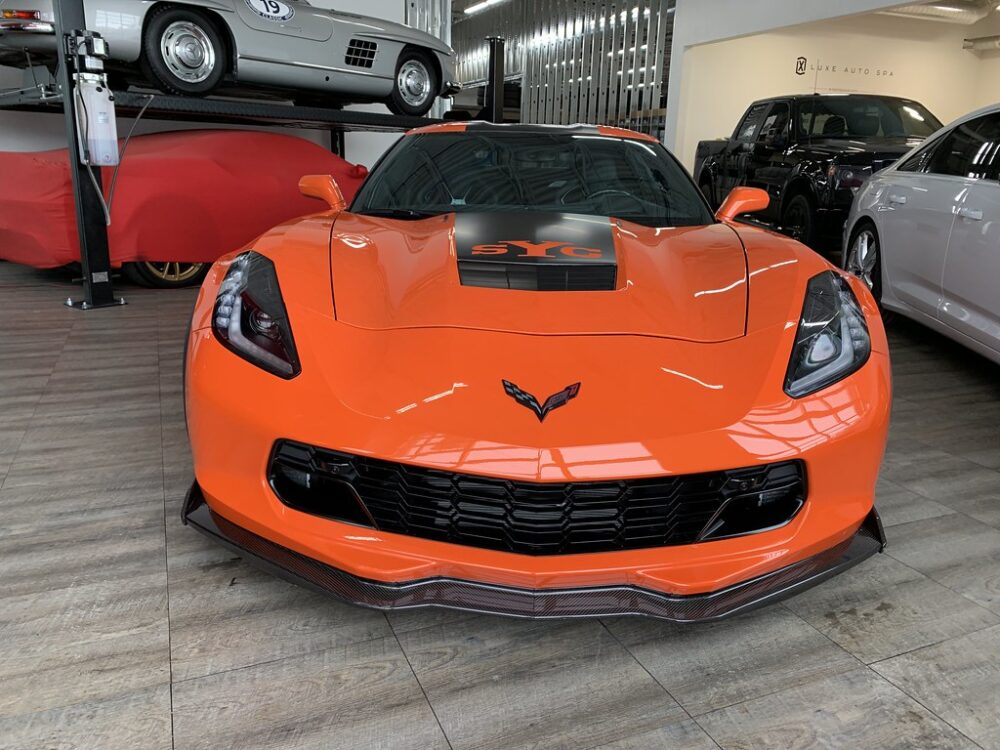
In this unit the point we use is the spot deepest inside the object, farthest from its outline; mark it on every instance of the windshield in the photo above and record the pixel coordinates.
(435, 173)
(864, 117)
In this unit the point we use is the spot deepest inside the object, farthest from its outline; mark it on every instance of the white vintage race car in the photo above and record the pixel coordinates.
(192, 46)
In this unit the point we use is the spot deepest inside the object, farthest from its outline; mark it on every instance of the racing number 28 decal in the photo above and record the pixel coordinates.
(272, 10)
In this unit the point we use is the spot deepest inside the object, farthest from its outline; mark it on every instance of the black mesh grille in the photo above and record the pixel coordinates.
(528, 518)
(361, 53)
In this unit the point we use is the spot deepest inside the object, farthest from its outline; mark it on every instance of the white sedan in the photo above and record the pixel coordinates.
(924, 234)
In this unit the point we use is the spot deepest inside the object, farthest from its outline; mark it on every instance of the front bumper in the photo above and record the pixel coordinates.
(541, 603)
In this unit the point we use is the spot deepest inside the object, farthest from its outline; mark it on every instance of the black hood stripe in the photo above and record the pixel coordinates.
(535, 251)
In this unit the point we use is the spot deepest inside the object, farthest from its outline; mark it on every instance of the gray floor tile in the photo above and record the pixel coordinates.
(225, 614)
(706, 667)
(882, 608)
(497, 683)
(361, 695)
(896, 505)
(958, 680)
(134, 721)
(856, 709)
(957, 551)
(684, 735)
(85, 642)
(104, 545)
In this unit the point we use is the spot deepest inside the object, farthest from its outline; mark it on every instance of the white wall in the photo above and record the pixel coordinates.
(873, 53)
(25, 131)
(705, 21)
(987, 89)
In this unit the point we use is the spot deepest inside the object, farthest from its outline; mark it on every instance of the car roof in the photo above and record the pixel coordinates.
(480, 126)
(834, 96)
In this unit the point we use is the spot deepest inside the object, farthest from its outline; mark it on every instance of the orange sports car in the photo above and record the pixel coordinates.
(528, 372)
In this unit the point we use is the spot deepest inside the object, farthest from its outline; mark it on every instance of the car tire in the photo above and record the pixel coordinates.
(172, 275)
(183, 52)
(863, 258)
(798, 219)
(415, 85)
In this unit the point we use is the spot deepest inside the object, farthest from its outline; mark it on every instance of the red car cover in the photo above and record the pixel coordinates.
(183, 196)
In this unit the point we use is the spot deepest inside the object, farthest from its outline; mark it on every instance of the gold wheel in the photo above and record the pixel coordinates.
(173, 272)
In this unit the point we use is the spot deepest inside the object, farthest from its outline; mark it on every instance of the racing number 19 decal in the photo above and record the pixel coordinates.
(272, 10)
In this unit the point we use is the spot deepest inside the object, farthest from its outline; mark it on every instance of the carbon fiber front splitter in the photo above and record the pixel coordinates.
(596, 601)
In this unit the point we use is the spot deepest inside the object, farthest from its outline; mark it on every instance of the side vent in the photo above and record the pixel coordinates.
(361, 53)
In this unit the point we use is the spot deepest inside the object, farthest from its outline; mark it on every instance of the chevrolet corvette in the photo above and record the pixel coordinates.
(528, 372)
(190, 47)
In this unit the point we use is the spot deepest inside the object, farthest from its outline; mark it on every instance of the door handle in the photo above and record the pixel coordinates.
(975, 214)
(899, 200)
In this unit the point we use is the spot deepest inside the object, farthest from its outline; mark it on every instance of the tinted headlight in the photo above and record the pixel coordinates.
(848, 177)
(250, 317)
(832, 339)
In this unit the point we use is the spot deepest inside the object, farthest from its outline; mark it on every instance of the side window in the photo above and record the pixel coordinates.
(969, 150)
(750, 126)
(776, 122)
(986, 161)
(807, 112)
(918, 162)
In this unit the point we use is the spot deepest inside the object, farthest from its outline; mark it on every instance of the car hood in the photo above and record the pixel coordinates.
(686, 283)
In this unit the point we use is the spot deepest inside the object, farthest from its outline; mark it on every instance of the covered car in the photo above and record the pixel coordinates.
(182, 199)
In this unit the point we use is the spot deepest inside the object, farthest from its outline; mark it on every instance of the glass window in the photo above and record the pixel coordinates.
(776, 122)
(986, 161)
(435, 173)
(918, 162)
(748, 129)
(864, 117)
(970, 150)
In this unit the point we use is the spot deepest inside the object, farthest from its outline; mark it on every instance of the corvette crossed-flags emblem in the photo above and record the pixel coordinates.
(541, 410)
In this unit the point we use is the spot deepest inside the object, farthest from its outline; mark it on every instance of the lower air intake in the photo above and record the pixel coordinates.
(535, 518)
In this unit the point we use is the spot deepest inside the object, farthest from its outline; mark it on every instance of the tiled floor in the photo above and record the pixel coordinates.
(119, 628)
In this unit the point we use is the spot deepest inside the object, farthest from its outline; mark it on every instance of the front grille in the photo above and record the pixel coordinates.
(538, 277)
(361, 53)
(535, 518)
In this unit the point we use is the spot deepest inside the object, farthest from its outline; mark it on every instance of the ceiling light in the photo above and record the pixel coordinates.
(475, 8)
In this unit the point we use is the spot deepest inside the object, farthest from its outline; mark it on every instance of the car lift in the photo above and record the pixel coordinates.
(98, 290)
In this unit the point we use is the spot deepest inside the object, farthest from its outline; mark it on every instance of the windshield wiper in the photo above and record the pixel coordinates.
(399, 213)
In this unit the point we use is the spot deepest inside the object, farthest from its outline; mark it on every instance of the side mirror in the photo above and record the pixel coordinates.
(323, 187)
(742, 200)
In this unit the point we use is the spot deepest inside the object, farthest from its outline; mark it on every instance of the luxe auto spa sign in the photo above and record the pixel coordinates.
(802, 66)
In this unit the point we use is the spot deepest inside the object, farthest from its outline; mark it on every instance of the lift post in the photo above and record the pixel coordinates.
(91, 227)
(494, 99)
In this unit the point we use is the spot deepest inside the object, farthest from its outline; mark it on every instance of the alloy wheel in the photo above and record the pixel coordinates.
(862, 259)
(188, 52)
(414, 83)
(173, 272)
